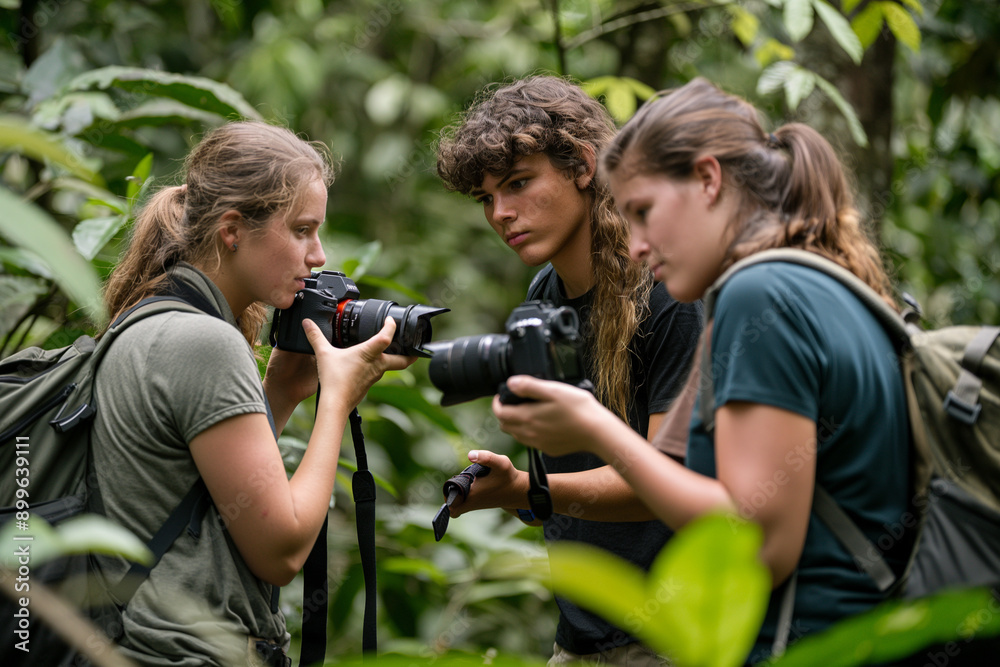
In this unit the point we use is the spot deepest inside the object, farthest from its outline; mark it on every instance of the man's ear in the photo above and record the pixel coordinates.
(231, 228)
(708, 172)
(587, 170)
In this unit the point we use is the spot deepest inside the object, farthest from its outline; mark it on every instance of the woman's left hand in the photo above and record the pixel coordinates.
(560, 419)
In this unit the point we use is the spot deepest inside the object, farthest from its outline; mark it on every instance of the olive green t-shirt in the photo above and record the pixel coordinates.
(166, 379)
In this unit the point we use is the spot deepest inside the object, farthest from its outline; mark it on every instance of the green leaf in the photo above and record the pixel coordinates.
(744, 24)
(857, 131)
(867, 25)
(702, 603)
(90, 235)
(641, 90)
(595, 87)
(798, 86)
(414, 567)
(620, 100)
(137, 181)
(716, 589)
(357, 267)
(847, 6)
(619, 94)
(27, 226)
(87, 533)
(773, 78)
(17, 295)
(411, 400)
(914, 5)
(26, 260)
(194, 91)
(387, 99)
(798, 18)
(157, 112)
(772, 50)
(604, 583)
(840, 29)
(17, 135)
(902, 25)
(897, 629)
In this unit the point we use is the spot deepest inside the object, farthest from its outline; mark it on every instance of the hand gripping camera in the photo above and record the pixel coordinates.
(330, 299)
(541, 340)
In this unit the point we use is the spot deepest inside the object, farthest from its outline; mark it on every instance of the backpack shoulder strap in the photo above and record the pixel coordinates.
(192, 507)
(895, 326)
(892, 321)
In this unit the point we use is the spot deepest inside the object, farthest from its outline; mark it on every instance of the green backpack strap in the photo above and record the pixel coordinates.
(896, 327)
(962, 402)
(193, 505)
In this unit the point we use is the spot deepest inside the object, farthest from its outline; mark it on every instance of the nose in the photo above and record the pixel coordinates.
(638, 247)
(316, 257)
(502, 210)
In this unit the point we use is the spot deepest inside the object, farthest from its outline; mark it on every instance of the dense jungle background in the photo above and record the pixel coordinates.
(100, 100)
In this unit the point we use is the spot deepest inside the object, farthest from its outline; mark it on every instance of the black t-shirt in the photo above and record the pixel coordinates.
(662, 353)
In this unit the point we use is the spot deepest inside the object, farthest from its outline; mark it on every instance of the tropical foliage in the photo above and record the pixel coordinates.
(100, 100)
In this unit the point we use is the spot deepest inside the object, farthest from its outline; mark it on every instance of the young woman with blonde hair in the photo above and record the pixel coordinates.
(181, 398)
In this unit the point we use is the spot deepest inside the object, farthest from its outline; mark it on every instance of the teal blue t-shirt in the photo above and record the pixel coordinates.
(790, 337)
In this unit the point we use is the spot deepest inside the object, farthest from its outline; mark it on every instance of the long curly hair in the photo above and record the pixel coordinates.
(792, 189)
(553, 116)
(257, 169)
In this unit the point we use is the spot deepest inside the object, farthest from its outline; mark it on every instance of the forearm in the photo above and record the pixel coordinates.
(670, 491)
(311, 486)
(600, 494)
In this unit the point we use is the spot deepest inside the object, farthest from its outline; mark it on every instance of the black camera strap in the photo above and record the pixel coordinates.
(539, 498)
(363, 485)
(315, 582)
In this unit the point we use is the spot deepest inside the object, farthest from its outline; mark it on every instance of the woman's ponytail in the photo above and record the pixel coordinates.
(156, 243)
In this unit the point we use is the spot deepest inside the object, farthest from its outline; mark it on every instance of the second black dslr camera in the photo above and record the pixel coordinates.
(541, 340)
(330, 299)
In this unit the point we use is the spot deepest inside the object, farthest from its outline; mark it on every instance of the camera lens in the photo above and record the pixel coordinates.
(360, 319)
(470, 367)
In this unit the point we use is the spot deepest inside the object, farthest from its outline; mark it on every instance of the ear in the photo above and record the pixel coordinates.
(587, 169)
(230, 228)
(708, 173)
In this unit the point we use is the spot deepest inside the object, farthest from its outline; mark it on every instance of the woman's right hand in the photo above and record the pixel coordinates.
(346, 374)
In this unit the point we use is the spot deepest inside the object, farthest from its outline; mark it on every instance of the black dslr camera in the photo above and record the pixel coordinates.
(330, 299)
(541, 340)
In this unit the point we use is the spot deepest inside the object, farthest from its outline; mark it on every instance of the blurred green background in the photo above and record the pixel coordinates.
(100, 100)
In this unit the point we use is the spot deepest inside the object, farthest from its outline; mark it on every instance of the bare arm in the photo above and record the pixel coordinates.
(273, 520)
(753, 443)
(599, 494)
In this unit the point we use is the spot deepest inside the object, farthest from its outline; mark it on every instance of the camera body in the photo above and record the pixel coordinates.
(331, 300)
(540, 340)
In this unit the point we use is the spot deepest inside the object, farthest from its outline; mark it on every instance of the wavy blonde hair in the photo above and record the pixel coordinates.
(257, 169)
(552, 115)
(792, 189)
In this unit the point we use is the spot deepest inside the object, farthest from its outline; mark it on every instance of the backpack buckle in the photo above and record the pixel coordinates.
(963, 411)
